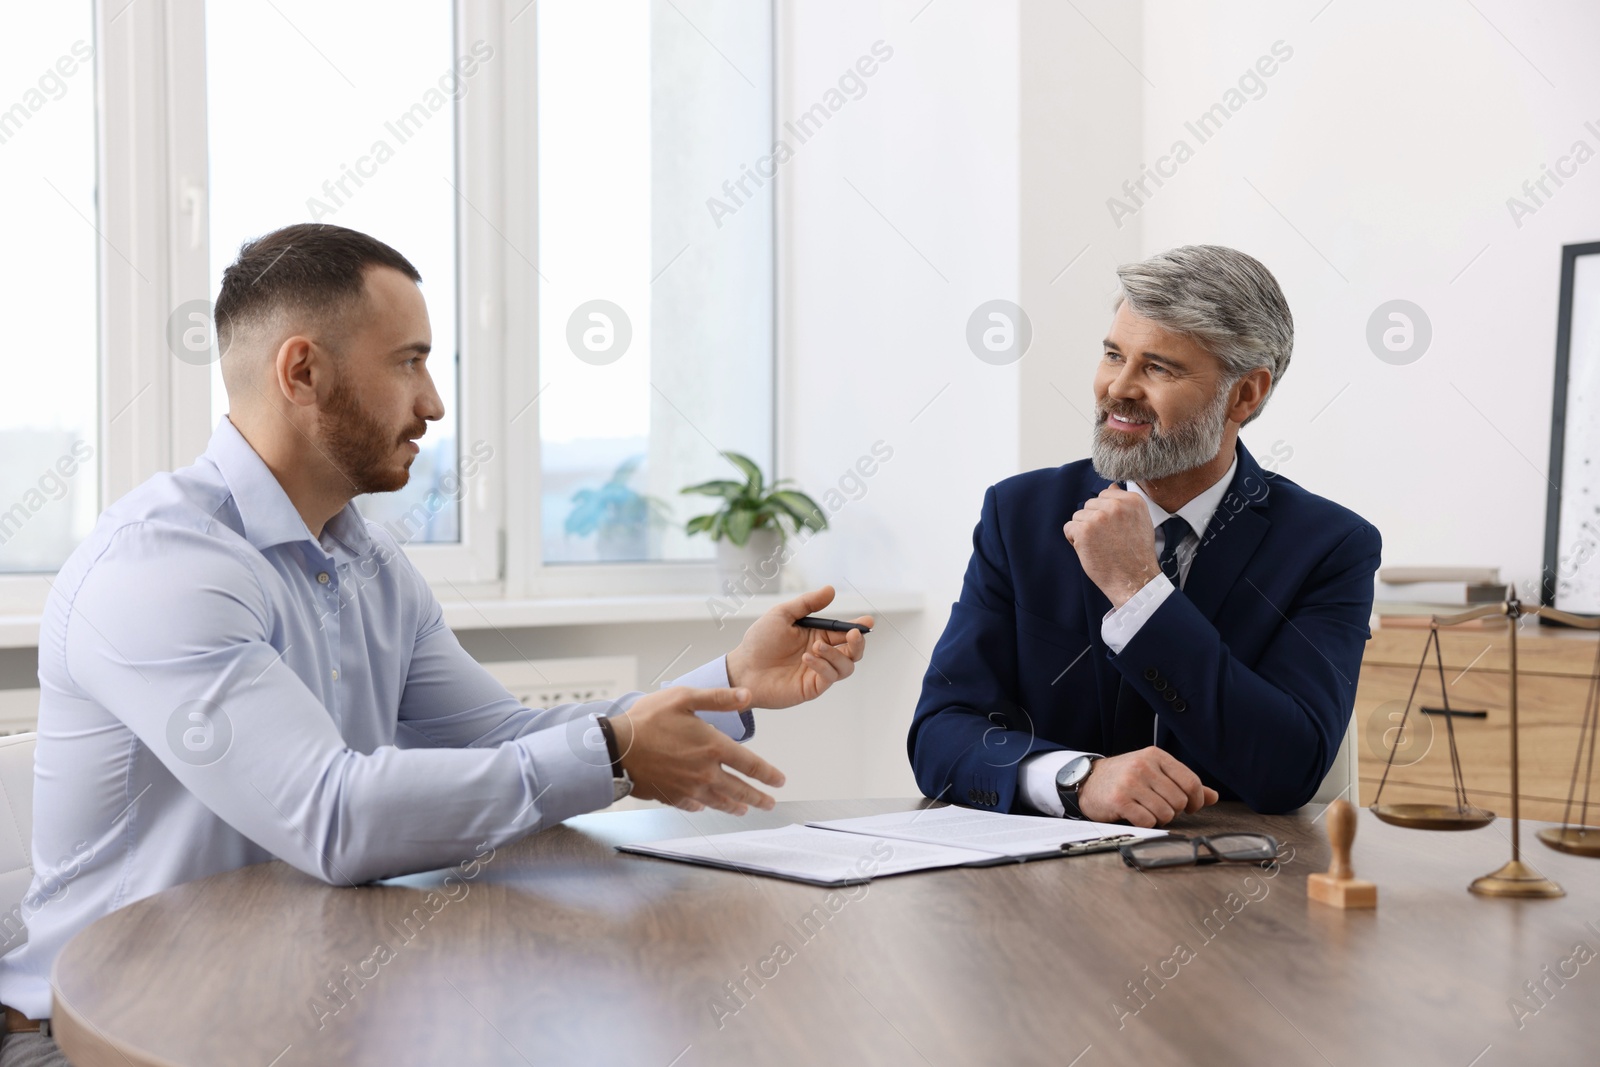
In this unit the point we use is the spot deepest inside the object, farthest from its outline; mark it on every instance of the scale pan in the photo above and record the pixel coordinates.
(1434, 816)
(1578, 840)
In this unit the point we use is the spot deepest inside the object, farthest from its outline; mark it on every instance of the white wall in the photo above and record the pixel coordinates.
(1080, 135)
(1390, 143)
(898, 218)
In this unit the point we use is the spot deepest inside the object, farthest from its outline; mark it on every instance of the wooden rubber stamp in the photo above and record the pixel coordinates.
(1339, 886)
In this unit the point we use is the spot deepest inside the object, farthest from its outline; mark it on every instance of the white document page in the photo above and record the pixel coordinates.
(805, 854)
(987, 831)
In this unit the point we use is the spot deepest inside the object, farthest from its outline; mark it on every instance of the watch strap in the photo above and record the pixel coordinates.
(609, 732)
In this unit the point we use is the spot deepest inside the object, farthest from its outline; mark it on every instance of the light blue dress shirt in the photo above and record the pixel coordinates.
(220, 688)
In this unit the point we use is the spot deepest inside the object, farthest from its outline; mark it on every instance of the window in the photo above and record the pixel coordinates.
(655, 332)
(49, 483)
(362, 135)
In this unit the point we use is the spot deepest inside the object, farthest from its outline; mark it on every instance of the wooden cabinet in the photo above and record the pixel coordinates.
(1554, 668)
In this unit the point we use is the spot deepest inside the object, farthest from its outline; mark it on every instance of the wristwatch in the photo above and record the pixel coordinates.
(1070, 779)
(621, 781)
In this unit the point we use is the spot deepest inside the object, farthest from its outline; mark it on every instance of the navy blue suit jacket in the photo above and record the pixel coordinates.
(1251, 667)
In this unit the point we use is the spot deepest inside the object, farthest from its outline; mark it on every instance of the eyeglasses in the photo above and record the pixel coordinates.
(1176, 851)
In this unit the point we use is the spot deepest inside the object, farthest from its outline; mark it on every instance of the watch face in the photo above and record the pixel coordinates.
(1074, 772)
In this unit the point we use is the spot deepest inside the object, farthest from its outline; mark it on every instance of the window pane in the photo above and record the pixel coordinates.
(655, 337)
(344, 113)
(49, 292)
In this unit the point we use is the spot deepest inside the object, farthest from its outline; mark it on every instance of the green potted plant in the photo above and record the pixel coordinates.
(752, 523)
(618, 515)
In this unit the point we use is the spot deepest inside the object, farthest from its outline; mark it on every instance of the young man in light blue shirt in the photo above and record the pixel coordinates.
(236, 667)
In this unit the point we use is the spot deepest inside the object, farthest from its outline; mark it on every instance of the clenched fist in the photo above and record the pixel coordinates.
(1115, 542)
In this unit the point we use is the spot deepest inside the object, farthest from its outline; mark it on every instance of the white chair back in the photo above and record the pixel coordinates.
(1343, 778)
(16, 835)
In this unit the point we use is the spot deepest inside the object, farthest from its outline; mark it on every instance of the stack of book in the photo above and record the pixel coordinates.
(1411, 596)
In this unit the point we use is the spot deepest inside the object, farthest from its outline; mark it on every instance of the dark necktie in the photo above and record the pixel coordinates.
(1135, 724)
(1174, 530)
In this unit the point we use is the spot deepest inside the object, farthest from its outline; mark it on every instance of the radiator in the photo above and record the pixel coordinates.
(540, 683)
(19, 711)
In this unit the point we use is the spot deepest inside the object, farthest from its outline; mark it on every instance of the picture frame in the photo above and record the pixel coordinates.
(1570, 580)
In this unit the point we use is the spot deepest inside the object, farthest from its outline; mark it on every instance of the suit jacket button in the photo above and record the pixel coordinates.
(972, 796)
(1151, 674)
(1179, 705)
(1159, 685)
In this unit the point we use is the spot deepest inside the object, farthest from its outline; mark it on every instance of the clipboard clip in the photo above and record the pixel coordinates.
(1098, 844)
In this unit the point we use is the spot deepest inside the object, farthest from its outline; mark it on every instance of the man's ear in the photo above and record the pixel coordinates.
(299, 370)
(1248, 394)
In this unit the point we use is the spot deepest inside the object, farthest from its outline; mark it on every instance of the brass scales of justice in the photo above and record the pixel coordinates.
(1515, 879)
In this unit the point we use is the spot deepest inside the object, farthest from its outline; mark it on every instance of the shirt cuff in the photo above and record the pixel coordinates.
(1037, 779)
(1120, 624)
(567, 774)
(739, 725)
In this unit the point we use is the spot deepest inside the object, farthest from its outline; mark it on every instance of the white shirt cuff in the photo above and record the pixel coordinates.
(1120, 624)
(739, 725)
(1036, 780)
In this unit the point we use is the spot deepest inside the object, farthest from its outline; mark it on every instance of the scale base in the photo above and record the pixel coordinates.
(1516, 879)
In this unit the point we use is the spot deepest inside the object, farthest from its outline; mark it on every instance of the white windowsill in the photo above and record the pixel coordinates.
(486, 613)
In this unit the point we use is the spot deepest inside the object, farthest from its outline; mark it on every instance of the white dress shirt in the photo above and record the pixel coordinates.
(1037, 773)
(221, 688)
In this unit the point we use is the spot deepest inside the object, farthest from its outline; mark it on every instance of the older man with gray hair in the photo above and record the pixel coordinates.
(1130, 652)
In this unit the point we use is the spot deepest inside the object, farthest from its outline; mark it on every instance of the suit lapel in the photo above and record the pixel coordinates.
(1235, 529)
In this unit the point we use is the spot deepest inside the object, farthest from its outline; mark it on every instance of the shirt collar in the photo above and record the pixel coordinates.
(1198, 511)
(268, 515)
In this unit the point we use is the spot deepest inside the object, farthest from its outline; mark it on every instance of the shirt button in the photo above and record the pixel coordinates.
(323, 577)
(336, 675)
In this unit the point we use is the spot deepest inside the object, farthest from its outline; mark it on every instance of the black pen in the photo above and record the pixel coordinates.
(811, 622)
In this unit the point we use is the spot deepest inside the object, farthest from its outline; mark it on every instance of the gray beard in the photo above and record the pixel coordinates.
(1160, 455)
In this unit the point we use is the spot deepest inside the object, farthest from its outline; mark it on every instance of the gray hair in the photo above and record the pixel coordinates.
(1227, 301)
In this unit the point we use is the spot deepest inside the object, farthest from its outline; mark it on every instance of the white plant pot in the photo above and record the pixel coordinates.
(751, 568)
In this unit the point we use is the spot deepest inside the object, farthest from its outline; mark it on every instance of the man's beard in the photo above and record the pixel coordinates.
(1160, 454)
(359, 445)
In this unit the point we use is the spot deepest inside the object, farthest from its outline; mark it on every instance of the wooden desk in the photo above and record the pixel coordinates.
(562, 951)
